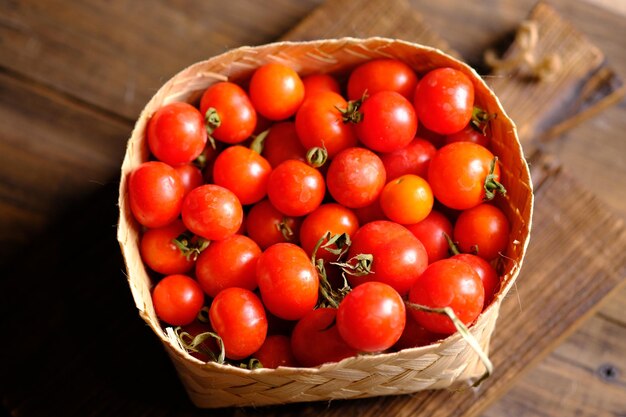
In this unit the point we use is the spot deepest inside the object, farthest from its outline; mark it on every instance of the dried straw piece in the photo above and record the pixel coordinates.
(447, 363)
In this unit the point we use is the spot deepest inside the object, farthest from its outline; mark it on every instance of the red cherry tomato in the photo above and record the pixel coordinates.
(238, 317)
(333, 218)
(228, 263)
(244, 172)
(176, 133)
(319, 326)
(485, 271)
(266, 225)
(432, 233)
(177, 299)
(469, 134)
(370, 212)
(190, 175)
(412, 159)
(371, 317)
(282, 143)
(389, 122)
(444, 100)
(275, 352)
(276, 91)
(447, 283)
(355, 177)
(160, 253)
(287, 280)
(212, 212)
(295, 188)
(483, 230)
(415, 335)
(237, 117)
(315, 83)
(382, 75)
(156, 194)
(407, 199)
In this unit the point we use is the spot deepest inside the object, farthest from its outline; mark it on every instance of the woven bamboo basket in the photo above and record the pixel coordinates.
(447, 363)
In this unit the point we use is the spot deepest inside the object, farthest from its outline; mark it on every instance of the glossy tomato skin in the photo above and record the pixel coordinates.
(389, 122)
(432, 233)
(444, 100)
(156, 194)
(447, 283)
(399, 257)
(485, 271)
(371, 317)
(276, 91)
(282, 143)
(275, 352)
(176, 133)
(238, 317)
(295, 188)
(267, 226)
(382, 75)
(319, 326)
(355, 177)
(469, 134)
(319, 123)
(331, 217)
(407, 199)
(287, 280)
(244, 172)
(457, 174)
(160, 253)
(212, 212)
(177, 299)
(415, 335)
(316, 83)
(483, 229)
(226, 263)
(190, 175)
(412, 159)
(237, 115)
(370, 212)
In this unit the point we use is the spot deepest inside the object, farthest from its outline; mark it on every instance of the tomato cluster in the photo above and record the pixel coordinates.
(287, 222)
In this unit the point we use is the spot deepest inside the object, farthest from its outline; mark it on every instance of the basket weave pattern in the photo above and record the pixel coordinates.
(440, 365)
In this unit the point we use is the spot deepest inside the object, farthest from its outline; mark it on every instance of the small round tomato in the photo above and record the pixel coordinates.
(382, 75)
(415, 335)
(370, 212)
(333, 218)
(407, 199)
(212, 212)
(266, 225)
(469, 134)
(190, 175)
(316, 83)
(287, 280)
(447, 283)
(412, 159)
(282, 143)
(156, 194)
(177, 299)
(275, 352)
(371, 317)
(389, 122)
(457, 174)
(276, 91)
(444, 100)
(485, 271)
(319, 123)
(160, 253)
(176, 133)
(355, 177)
(319, 326)
(228, 263)
(399, 258)
(483, 230)
(432, 233)
(238, 317)
(231, 105)
(242, 171)
(295, 188)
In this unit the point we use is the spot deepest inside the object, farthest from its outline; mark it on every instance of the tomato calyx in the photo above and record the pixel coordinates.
(195, 344)
(251, 364)
(258, 141)
(351, 113)
(212, 121)
(358, 266)
(285, 230)
(492, 186)
(191, 246)
(453, 248)
(480, 119)
(337, 244)
(316, 156)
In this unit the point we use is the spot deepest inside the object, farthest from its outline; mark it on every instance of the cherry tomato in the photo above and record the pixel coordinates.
(287, 280)
(382, 75)
(315, 83)
(432, 233)
(295, 188)
(156, 193)
(485, 271)
(319, 326)
(469, 134)
(176, 133)
(355, 177)
(275, 352)
(407, 199)
(282, 143)
(399, 257)
(457, 174)
(276, 91)
(371, 317)
(190, 175)
(238, 317)
(228, 263)
(412, 159)
(160, 253)
(244, 172)
(447, 283)
(177, 299)
(319, 123)
(266, 225)
(389, 122)
(333, 218)
(483, 230)
(212, 212)
(370, 212)
(444, 100)
(415, 335)
(237, 117)
(195, 328)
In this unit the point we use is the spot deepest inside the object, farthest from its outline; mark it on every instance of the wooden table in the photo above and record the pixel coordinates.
(73, 77)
